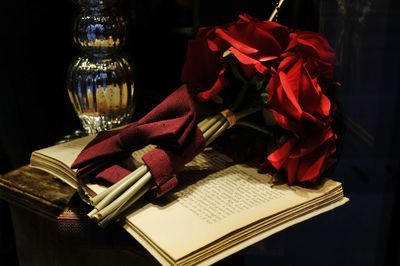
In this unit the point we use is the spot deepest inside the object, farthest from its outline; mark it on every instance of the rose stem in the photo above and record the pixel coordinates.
(214, 128)
(95, 200)
(246, 112)
(255, 127)
(217, 133)
(208, 124)
(104, 222)
(138, 173)
(239, 98)
(210, 138)
(129, 193)
(92, 213)
(205, 120)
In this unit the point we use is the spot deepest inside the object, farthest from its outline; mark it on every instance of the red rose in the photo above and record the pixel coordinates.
(253, 43)
(297, 98)
(305, 158)
(297, 88)
(300, 70)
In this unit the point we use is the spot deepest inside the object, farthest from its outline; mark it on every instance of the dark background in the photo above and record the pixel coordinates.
(35, 110)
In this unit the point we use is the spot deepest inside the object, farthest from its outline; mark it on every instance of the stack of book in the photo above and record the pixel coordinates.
(218, 209)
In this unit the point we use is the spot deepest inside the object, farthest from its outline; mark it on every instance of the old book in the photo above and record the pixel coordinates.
(219, 207)
(58, 159)
(36, 191)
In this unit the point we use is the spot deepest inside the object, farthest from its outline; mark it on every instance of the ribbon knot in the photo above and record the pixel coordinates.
(171, 126)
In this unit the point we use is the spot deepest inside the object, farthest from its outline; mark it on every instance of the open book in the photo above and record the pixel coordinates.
(219, 207)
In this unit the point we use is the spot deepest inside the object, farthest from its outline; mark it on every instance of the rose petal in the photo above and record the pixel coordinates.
(280, 155)
(267, 58)
(316, 42)
(325, 105)
(221, 82)
(201, 64)
(287, 62)
(312, 166)
(312, 95)
(311, 143)
(235, 43)
(280, 32)
(292, 43)
(287, 94)
(248, 64)
(284, 122)
(292, 166)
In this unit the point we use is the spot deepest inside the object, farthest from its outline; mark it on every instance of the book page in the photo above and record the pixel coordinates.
(66, 152)
(214, 199)
(58, 159)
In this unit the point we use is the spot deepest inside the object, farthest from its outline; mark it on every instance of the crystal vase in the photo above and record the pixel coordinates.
(100, 79)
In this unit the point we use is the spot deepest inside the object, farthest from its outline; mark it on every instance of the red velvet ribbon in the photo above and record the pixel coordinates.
(171, 126)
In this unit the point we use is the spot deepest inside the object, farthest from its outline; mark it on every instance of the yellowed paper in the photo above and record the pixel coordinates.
(217, 209)
(226, 199)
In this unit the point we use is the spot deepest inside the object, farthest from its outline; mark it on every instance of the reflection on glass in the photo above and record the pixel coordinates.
(101, 91)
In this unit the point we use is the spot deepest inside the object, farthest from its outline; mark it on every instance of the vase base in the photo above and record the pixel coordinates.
(94, 124)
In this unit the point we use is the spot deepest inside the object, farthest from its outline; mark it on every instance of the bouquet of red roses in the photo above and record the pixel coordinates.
(293, 72)
(248, 68)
